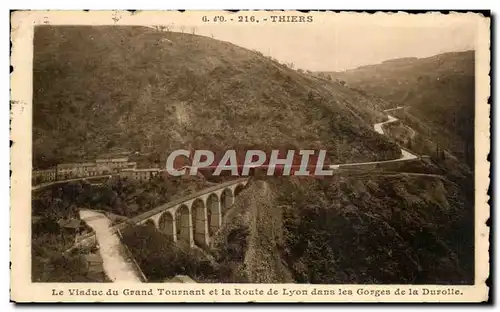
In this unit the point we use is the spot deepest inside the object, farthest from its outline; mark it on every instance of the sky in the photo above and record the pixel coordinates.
(343, 42)
(330, 42)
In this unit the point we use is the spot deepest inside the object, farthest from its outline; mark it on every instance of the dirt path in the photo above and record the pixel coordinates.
(116, 265)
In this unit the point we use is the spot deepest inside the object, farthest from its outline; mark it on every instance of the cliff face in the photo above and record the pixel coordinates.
(381, 229)
(135, 88)
(247, 244)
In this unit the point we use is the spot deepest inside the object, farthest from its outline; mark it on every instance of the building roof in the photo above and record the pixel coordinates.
(93, 258)
(140, 170)
(121, 159)
(95, 269)
(133, 207)
(72, 165)
(67, 165)
(72, 223)
(147, 169)
(35, 219)
(50, 170)
(181, 279)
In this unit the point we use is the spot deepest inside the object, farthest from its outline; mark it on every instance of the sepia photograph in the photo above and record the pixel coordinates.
(328, 155)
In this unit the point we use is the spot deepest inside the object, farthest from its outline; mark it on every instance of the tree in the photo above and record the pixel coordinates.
(183, 28)
(153, 250)
(160, 27)
(169, 27)
(310, 96)
(193, 29)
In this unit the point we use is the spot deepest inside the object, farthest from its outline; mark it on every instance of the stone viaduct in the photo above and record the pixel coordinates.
(193, 219)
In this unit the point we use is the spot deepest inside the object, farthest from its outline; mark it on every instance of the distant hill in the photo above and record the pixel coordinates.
(135, 88)
(438, 90)
(401, 60)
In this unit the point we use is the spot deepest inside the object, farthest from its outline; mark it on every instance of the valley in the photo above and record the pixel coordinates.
(398, 208)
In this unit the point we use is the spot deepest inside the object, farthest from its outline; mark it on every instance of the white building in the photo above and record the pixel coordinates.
(111, 165)
(100, 167)
(46, 175)
(76, 170)
(140, 175)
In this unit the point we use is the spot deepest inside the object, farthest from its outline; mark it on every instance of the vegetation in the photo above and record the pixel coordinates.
(64, 269)
(412, 237)
(439, 92)
(155, 91)
(119, 198)
(49, 240)
(379, 229)
(161, 259)
(436, 160)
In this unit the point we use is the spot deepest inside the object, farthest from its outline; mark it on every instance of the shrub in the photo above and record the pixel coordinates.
(160, 258)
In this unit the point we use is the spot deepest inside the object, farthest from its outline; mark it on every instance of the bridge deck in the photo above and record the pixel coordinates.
(178, 201)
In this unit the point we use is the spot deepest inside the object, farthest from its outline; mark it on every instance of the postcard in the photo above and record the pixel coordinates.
(249, 156)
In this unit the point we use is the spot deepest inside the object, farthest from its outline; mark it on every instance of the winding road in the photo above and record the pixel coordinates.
(405, 154)
(118, 266)
(43, 185)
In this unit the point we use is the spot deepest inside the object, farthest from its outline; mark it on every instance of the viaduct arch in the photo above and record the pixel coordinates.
(194, 219)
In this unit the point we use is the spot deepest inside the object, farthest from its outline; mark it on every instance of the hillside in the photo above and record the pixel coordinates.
(438, 91)
(97, 89)
(136, 88)
(398, 229)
